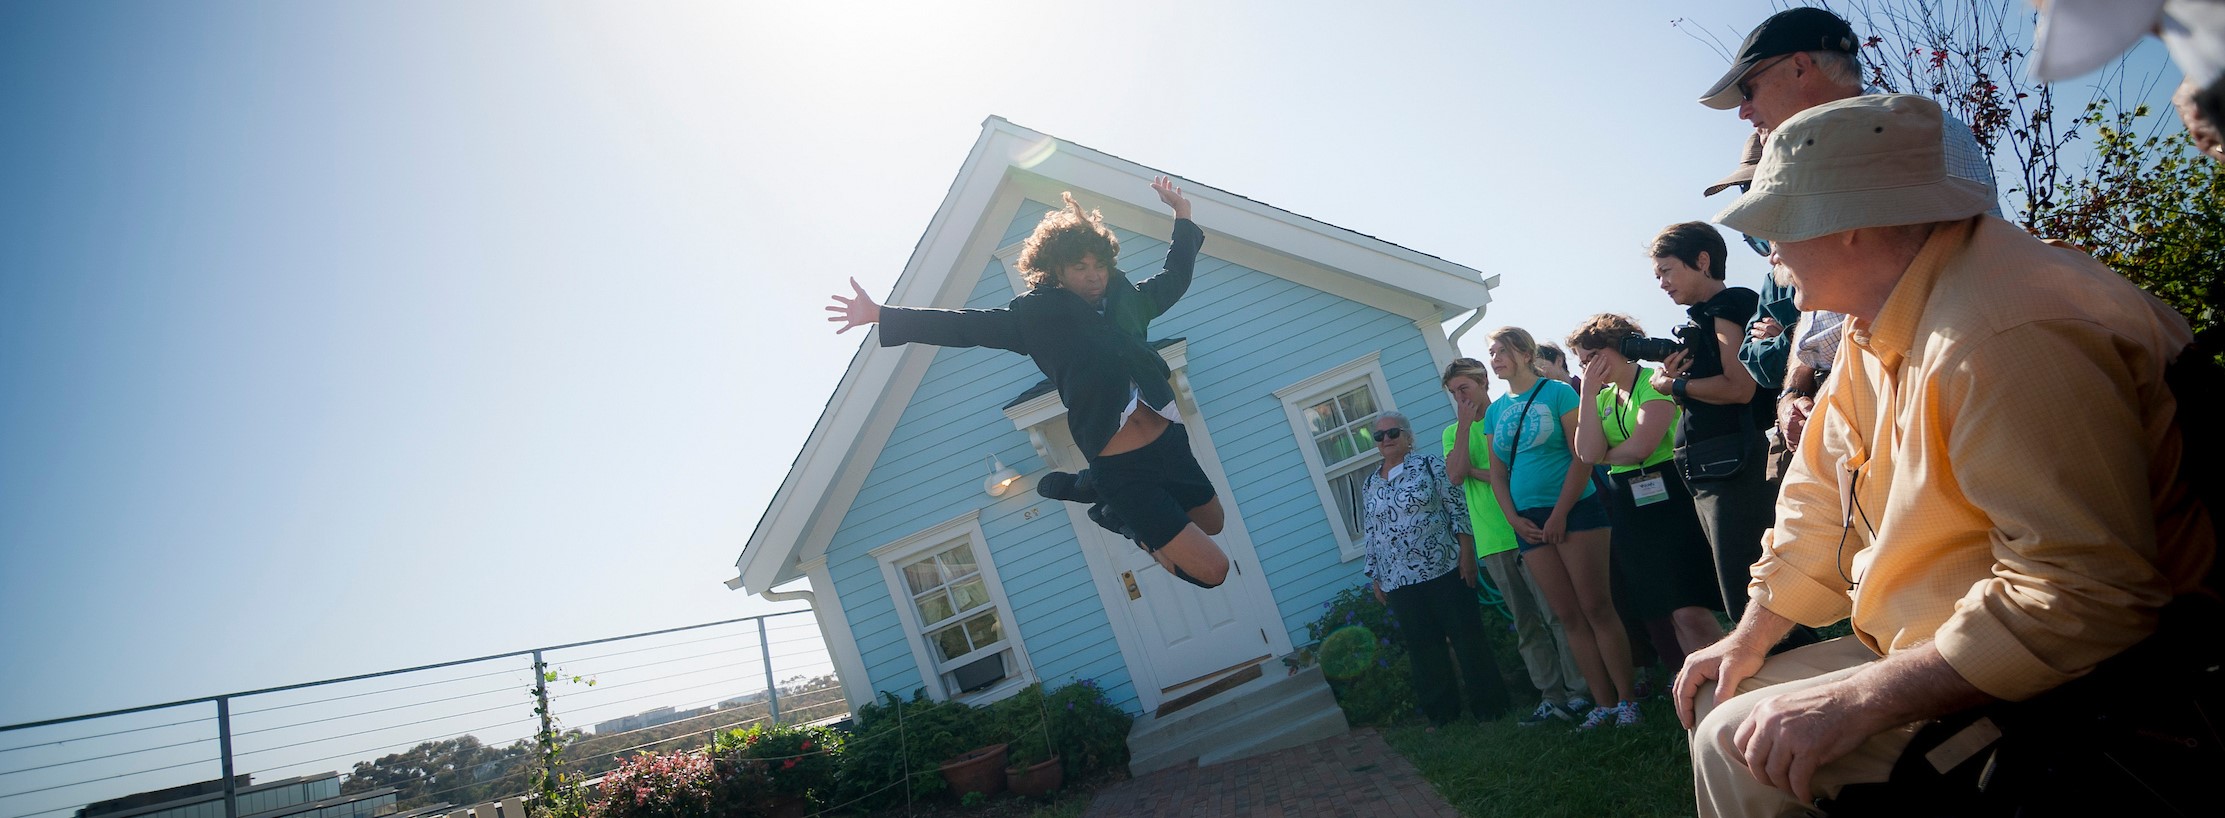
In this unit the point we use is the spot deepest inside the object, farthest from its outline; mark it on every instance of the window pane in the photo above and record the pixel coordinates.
(935, 607)
(970, 594)
(1346, 490)
(958, 562)
(1336, 449)
(1362, 441)
(1358, 402)
(922, 575)
(985, 629)
(951, 642)
(1322, 416)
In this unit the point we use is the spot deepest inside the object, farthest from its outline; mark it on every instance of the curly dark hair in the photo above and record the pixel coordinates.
(1063, 237)
(1686, 241)
(1604, 331)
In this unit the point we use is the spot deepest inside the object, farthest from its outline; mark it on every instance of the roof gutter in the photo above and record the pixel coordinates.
(1491, 283)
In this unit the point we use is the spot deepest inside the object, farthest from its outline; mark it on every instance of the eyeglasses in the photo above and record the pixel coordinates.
(1745, 84)
(1388, 434)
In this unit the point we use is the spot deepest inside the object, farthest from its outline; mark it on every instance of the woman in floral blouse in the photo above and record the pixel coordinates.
(1421, 559)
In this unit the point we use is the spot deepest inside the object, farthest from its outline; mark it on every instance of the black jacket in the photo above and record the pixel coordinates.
(1090, 357)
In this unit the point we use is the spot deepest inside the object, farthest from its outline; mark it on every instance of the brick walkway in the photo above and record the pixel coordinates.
(1355, 775)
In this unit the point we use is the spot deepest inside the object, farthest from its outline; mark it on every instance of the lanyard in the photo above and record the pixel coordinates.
(1522, 420)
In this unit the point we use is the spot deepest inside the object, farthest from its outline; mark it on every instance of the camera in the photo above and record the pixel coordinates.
(1640, 348)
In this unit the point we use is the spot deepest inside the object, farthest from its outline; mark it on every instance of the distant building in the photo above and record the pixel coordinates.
(647, 719)
(314, 796)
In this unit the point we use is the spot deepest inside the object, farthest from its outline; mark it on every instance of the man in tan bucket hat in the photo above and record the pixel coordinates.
(1980, 490)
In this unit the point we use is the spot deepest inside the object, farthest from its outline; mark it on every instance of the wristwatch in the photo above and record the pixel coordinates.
(1676, 387)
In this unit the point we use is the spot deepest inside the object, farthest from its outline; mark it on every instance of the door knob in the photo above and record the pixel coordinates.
(1128, 578)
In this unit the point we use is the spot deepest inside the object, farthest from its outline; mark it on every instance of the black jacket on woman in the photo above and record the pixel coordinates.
(1091, 353)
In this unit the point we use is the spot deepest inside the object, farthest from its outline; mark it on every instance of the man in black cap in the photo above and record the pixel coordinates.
(1795, 60)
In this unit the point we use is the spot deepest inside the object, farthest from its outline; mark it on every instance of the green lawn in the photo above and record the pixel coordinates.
(1500, 769)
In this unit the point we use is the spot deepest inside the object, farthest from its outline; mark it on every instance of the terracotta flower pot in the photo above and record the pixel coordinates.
(978, 770)
(1038, 780)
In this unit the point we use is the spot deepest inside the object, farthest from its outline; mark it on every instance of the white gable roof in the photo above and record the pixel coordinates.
(1010, 163)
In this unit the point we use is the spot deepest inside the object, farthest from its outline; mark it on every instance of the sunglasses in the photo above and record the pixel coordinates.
(1388, 434)
(1745, 84)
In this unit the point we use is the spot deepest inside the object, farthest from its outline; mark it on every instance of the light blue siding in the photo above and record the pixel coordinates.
(1249, 334)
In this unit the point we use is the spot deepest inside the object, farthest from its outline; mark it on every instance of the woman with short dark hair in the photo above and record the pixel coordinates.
(1719, 442)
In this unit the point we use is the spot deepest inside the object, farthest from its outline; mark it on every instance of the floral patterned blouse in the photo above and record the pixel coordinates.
(1410, 521)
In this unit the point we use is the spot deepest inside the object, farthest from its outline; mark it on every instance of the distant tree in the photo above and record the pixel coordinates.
(457, 771)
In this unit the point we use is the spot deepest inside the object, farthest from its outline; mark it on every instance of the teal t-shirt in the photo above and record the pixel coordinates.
(1542, 464)
(1493, 534)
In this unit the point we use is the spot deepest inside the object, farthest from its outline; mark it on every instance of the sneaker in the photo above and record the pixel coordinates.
(1643, 686)
(1598, 716)
(1577, 706)
(1626, 715)
(1073, 487)
(1546, 711)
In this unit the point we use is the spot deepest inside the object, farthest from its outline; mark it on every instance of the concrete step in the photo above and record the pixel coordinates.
(1263, 716)
(1307, 729)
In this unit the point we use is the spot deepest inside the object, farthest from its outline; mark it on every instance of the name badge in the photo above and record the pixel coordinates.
(1650, 490)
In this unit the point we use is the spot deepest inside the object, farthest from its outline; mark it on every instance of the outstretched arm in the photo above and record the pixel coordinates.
(947, 328)
(1168, 286)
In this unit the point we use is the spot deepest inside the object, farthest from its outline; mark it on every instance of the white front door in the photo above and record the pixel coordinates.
(1186, 634)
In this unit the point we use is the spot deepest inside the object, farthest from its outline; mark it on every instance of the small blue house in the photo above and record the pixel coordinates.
(933, 564)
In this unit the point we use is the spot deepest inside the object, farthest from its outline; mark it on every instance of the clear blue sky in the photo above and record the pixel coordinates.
(338, 337)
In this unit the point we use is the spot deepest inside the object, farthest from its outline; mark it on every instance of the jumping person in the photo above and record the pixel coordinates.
(1084, 324)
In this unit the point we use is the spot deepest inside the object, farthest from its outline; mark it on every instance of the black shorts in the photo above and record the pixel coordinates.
(1588, 513)
(1154, 488)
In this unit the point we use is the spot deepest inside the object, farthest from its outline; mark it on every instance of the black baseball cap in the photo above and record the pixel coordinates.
(1786, 32)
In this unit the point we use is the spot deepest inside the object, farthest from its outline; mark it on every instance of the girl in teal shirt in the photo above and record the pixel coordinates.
(1546, 494)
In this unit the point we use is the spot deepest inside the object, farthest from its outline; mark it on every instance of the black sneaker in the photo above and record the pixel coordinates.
(1072, 487)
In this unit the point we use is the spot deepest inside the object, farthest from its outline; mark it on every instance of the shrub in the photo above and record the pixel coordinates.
(1358, 645)
(1086, 729)
(658, 785)
(1019, 720)
(761, 764)
(1361, 650)
(895, 736)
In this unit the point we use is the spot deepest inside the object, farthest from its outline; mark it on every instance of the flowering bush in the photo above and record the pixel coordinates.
(652, 785)
(779, 760)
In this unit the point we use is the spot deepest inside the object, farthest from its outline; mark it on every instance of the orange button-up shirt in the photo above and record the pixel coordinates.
(1994, 468)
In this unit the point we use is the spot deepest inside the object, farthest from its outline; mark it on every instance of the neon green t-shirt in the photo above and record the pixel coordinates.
(1620, 418)
(1493, 534)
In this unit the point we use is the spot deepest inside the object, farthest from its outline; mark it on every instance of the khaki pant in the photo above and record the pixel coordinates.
(1719, 774)
(1537, 633)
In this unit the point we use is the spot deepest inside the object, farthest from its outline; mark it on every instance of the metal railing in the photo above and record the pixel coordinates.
(425, 736)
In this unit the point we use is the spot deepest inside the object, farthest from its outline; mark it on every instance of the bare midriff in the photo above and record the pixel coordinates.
(1141, 427)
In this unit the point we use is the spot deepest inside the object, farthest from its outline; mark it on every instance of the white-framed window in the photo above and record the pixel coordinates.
(955, 616)
(1332, 414)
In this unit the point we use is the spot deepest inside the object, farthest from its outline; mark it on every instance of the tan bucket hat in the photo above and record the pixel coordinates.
(1748, 158)
(1867, 161)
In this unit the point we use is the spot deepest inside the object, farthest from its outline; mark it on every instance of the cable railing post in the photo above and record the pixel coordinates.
(772, 692)
(224, 750)
(547, 735)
